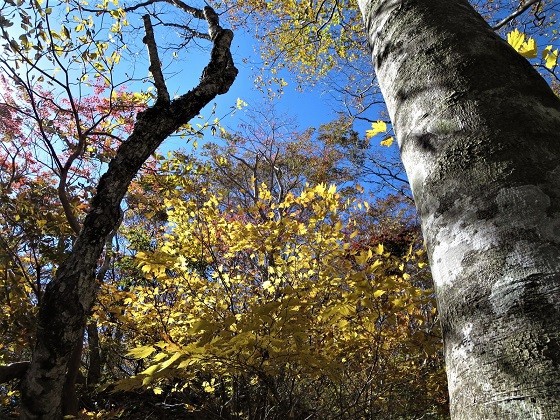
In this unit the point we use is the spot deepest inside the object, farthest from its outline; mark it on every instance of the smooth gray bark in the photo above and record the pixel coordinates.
(479, 134)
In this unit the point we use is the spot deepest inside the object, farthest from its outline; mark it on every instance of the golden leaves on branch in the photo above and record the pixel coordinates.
(275, 287)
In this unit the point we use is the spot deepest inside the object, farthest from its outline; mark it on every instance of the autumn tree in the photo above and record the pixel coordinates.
(462, 104)
(47, 181)
(322, 43)
(478, 133)
(273, 300)
(64, 50)
(459, 99)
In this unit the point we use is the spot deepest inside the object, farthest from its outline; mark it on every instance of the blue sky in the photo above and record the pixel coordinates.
(311, 107)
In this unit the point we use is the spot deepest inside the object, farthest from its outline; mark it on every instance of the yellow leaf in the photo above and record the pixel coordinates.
(141, 352)
(363, 256)
(527, 49)
(550, 57)
(240, 104)
(378, 293)
(170, 361)
(387, 142)
(150, 371)
(397, 302)
(268, 286)
(376, 128)
(208, 386)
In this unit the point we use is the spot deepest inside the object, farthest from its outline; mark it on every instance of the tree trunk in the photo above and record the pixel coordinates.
(70, 403)
(478, 131)
(69, 297)
(95, 362)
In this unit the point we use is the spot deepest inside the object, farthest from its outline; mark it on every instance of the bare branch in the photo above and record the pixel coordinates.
(213, 22)
(515, 14)
(65, 202)
(155, 64)
(197, 13)
(190, 33)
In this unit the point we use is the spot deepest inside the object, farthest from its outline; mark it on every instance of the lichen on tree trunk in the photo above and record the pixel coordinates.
(478, 133)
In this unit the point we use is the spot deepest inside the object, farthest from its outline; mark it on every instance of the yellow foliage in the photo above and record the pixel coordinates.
(550, 57)
(387, 142)
(526, 46)
(280, 288)
(376, 128)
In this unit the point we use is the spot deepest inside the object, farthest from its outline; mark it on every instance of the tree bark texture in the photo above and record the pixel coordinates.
(478, 130)
(69, 297)
(95, 361)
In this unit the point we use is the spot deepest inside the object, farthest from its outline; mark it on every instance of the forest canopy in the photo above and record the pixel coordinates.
(258, 269)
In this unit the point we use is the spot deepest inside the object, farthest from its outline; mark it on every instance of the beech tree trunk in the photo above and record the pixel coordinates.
(69, 297)
(479, 135)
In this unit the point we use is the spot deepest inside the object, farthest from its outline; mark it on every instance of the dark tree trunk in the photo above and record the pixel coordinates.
(70, 403)
(94, 368)
(478, 130)
(68, 299)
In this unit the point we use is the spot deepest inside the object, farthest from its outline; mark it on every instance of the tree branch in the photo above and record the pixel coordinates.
(13, 371)
(155, 64)
(515, 14)
(213, 22)
(69, 297)
(197, 13)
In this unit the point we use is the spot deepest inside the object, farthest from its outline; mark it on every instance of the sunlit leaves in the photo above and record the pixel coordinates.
(73, 42)
(240, 103)
(376, 128)
(277, 287)
(526, 46)
(387, 142)
(379, 127)
(550, 57)
(141, 352)
(310, 37)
